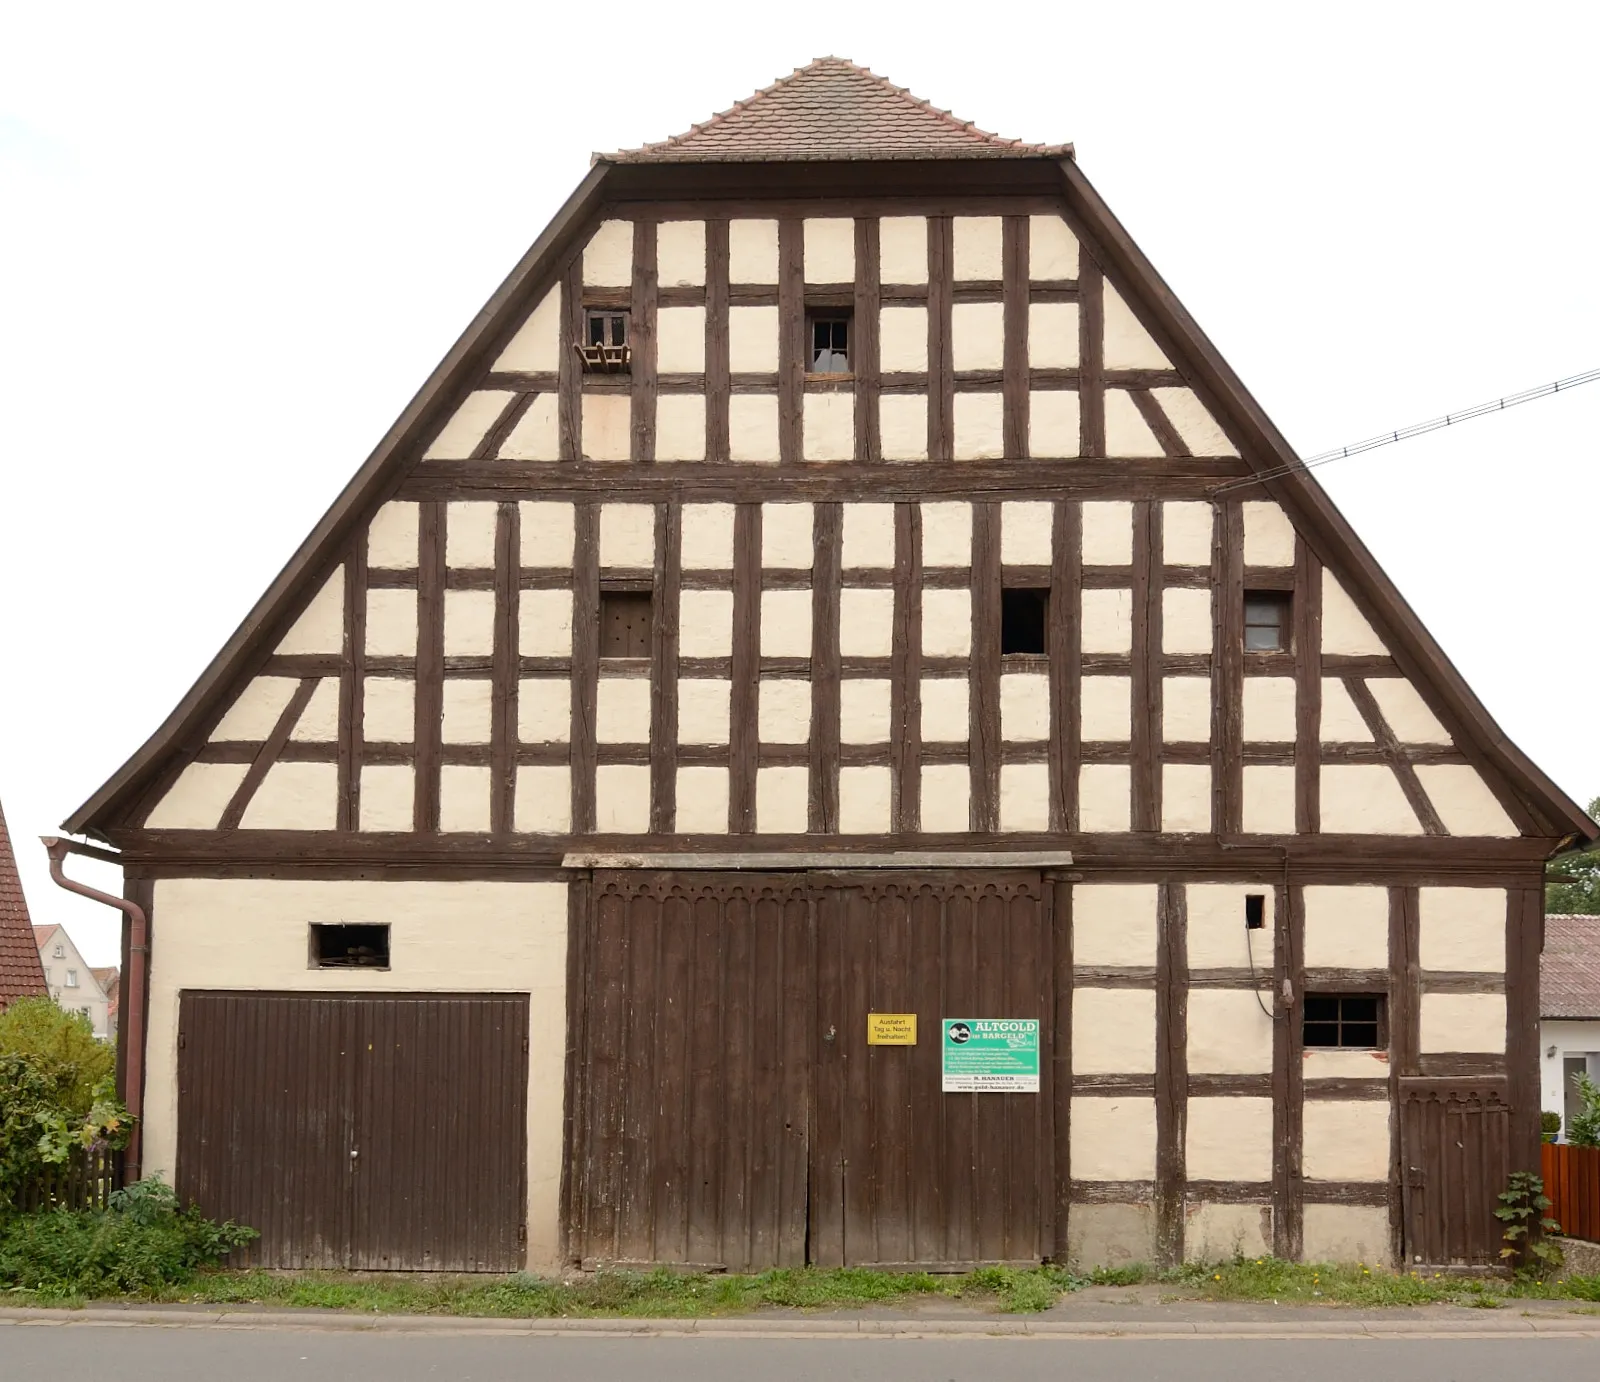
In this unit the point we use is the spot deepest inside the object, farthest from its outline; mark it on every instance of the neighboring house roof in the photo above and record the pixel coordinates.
(832, 111)
(21, 974)
(1569, 974)
(107, 977)
(782, 128)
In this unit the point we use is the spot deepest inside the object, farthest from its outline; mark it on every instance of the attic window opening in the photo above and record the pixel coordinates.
(362, 945)
(627, 619)
(1349, 1020)
(605, 348)
(1024, 620)
(1255, 911)
(829, 342)
(1266, 621)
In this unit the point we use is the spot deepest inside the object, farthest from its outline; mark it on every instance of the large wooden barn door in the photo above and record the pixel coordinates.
(691, 1144)
(926, 1178)
(1455, 1142)
(729, 1110)
(383, 1131)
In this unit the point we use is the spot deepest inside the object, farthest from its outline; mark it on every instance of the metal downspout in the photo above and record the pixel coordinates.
(138, 936)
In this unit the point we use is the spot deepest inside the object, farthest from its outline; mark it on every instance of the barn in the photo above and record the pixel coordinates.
(834, 730)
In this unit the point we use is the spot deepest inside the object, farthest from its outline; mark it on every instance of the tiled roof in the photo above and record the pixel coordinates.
(21, 975)
(1569, 973)
(832, 111)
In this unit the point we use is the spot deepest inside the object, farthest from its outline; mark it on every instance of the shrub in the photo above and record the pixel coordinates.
(62, 1044)
(140, 1245)
(1550, 1124)
(1583, 1129)
(42, 1120)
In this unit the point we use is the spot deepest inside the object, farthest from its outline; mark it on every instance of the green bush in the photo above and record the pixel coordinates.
(42, 1121)
(140, 1245)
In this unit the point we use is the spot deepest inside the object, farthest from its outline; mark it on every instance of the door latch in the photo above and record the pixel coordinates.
(830, 1033)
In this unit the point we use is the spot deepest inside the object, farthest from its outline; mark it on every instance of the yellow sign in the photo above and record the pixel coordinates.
(891, 1029)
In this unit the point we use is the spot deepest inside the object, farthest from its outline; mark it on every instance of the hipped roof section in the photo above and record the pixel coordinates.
(832, 111)
(779, 128)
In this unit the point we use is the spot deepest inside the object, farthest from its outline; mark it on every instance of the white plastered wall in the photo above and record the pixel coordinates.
(444, 937)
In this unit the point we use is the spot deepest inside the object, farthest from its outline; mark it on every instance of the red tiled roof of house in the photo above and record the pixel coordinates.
(832, 110)
(21, 975)
(1569, 972)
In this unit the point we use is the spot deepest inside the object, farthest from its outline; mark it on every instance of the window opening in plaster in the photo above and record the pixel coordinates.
(829, 349)
(1266, 621)
(1023, 620)
(72, 978)
(605, 349)
(626, 620)
(361, 945)
(1255, 911)
(60, 952)
(1345, 1019)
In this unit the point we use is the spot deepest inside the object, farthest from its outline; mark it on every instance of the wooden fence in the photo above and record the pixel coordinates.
(84, 1181)
(1572, 1181)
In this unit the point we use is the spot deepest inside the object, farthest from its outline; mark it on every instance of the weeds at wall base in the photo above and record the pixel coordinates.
(666, 1295)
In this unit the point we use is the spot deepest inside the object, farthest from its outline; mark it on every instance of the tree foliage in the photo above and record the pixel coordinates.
(1583, 1129)
(61, 1044)
(1572, 881)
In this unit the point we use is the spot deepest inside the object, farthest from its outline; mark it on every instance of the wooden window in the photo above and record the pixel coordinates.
(349, 946)
(605, 348)
(72, 978)
(626, 618)
(1024, 617)
(1266, 621)
(1345, 1019)
(828, 342)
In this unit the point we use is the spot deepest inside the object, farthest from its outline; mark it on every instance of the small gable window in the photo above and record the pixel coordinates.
(349, 946)
(605, 347)
(1266, 621)
(626, 620)
(829, 351)
(1345, 1019)
(1024, 621)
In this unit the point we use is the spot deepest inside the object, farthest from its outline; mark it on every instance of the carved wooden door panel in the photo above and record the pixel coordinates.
(1455, 1149)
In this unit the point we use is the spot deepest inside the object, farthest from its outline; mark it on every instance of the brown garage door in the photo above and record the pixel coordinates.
(358, 1130)
(729, 1111)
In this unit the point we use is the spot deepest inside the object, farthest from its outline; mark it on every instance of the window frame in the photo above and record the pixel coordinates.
(1284, 600)
(1043, 594)
(837, 315)
(637, 592)
(1377, 997)
(605, 356)
(315, 957)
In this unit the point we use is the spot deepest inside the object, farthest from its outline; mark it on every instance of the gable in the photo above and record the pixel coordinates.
(442, 677)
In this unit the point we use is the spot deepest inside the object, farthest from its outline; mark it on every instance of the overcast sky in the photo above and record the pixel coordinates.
(234, 241)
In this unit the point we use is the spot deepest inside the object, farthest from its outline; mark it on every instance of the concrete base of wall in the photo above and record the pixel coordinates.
(1582, 1257)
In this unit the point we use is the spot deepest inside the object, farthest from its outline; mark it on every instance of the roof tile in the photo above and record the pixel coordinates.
(832, 110)
(21, 975)
(1569, 973)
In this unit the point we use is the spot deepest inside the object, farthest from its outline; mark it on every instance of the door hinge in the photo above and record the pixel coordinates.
(524, 1045)
(183, 1040)
(522, 1234)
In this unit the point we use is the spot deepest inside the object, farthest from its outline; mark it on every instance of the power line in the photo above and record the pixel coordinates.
(1498, 405)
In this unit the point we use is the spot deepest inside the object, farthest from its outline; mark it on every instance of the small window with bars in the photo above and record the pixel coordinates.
(1349, 1020)
(829, 343)
(1266, 621)
(605, 348)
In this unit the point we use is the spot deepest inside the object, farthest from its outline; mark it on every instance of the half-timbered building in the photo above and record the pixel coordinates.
(834, 576)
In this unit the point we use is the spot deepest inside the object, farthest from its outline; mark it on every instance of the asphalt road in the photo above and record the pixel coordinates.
(139, 1354)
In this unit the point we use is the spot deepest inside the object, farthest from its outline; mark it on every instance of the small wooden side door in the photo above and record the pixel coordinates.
(1455, 1157)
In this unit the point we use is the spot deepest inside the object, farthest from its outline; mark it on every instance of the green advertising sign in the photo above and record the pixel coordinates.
(991, 1055)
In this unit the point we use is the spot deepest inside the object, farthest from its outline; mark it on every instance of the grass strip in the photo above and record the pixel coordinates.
(664, 1294)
